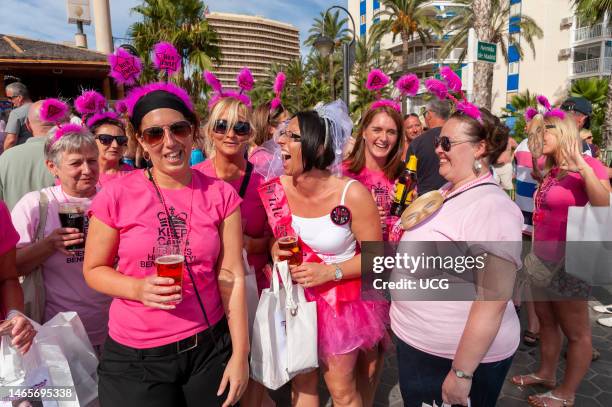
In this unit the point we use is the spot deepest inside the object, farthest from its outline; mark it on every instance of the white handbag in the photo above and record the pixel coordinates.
(588, 249)
(285, 332)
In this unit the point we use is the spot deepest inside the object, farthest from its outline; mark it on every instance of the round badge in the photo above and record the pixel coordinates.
(340, 215)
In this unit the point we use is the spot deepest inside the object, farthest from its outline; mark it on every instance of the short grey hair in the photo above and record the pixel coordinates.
(18, 89)
(71, 142)
(441, 108)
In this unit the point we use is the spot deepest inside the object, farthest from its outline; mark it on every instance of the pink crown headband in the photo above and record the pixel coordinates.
(245, 83)
(55, 111)
(548, 111)
(408, 85)
(452, 84)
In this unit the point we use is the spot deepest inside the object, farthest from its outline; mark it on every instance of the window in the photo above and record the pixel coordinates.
(583, 54)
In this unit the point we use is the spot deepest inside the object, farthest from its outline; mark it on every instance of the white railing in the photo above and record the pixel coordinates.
(587, 33)
(607, 66)
(586, 66)
(432, 55)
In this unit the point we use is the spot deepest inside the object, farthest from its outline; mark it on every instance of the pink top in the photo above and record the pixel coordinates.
(133, 208)
(254, 218)
(553, 200)
(65, 286)
(483, 214)
(381, 188)
(8, 235)
(104, 179)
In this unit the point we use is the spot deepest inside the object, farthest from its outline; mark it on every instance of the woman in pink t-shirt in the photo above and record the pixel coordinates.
(376, 158)
(11, 295)
(449, 351)
(72, 157)
(572, 179)
(167, 345)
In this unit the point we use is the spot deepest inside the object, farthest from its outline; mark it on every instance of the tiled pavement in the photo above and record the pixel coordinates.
(595, 390)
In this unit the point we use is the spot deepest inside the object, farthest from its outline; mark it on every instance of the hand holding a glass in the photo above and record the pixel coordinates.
(287, 248)
(164, 289)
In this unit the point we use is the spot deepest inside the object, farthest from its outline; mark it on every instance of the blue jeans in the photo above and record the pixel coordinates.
(421, 376)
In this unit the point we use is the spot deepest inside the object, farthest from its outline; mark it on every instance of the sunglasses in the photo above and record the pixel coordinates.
(155, 135)
(240, 128)
(446, 143)
(107, 139)
(293, 136)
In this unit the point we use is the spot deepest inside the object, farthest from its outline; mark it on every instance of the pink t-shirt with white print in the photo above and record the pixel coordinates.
(133, 208)
(65, 286)
(483, 214)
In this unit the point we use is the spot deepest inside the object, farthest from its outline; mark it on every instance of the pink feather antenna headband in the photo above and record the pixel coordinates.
(55, 111)
(548, 110)
(244, 81)
(408, 85)
(278, 87)
(444, 89)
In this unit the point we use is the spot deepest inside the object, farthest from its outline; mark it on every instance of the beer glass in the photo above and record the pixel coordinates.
(72, 215)
(169, 262)
(290, 243)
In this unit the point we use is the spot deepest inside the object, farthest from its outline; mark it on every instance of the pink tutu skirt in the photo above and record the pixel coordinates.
(357, 325)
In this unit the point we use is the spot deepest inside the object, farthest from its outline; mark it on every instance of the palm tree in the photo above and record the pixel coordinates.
(318, 67)
(183, 23)
(593, 10)
(518, 104)
(330, 25)
(406, 18)
(490, 19)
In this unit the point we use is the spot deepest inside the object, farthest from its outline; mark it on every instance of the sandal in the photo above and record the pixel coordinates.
(535, 380)
(605, 322)
(536, 400)
(604, 309)
(530, 338)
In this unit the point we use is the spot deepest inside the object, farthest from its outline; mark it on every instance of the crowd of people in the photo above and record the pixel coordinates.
(198, 190)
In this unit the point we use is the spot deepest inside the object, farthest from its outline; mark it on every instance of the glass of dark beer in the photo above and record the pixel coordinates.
(72, 215)
(290, 243)
(169, 262)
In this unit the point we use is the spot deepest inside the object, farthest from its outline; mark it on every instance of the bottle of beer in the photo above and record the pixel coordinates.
(405, 188)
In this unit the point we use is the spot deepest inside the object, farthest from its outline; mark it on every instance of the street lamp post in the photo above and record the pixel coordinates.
(325, 46)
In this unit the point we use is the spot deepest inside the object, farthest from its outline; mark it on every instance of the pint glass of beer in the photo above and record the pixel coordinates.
(169, 262)
(290, 243)
(72, 215)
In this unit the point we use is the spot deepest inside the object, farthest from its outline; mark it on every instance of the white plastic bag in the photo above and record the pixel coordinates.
(61, 355)
(588, 250)
(252, 294)
(285, 332)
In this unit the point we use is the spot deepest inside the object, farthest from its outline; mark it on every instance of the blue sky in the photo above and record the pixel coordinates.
(47, 19)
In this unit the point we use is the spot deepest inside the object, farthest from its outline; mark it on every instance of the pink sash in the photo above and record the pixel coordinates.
(279, 216)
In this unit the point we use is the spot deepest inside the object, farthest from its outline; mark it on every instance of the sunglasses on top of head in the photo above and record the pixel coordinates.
(155, 135)
(445, 143)
(107, 139)
(240, 128)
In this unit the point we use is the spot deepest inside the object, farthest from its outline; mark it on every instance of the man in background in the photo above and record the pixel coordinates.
(16, 130)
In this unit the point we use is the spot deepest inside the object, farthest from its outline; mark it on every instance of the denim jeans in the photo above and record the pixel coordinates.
(421, 376)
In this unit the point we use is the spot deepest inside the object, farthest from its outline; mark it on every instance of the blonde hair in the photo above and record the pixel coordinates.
(567, 135)
(232, 109)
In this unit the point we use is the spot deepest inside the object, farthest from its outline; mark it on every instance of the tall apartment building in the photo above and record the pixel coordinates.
(252, 41)
(424, 59)
(569, 50)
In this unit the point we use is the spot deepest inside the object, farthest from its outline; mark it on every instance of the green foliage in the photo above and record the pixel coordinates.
(592, 10)
(181, 22)
(519, 103)
(595, 90)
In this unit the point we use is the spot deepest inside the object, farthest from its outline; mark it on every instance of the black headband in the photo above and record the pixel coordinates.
(158, 99)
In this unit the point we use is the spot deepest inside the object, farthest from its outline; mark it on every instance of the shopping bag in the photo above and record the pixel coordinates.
(60, 359)
(252, 295)
(588, 250)
(285, 326)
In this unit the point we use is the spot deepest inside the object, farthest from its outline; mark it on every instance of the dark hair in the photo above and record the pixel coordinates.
(109, 121)
(494, 133)
(394, 164)
(411, 115)
(312, 132)
(262, 119)
(441, 108)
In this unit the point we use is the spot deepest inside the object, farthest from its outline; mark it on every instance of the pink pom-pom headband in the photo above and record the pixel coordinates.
(279, 85)
(166, 58)
(67, 128)
(408, 85)
(125, 67)
(55, 111)
(444, 89)
(245, 83)
(547, 109)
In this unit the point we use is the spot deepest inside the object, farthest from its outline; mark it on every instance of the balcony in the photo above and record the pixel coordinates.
(592, 32)
(595, 66)
(432, 56)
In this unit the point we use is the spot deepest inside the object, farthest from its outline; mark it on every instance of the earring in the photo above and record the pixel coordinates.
(146, 155)
(477, 167)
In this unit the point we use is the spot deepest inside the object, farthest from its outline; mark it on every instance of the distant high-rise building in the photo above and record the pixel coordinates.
(254, 42)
